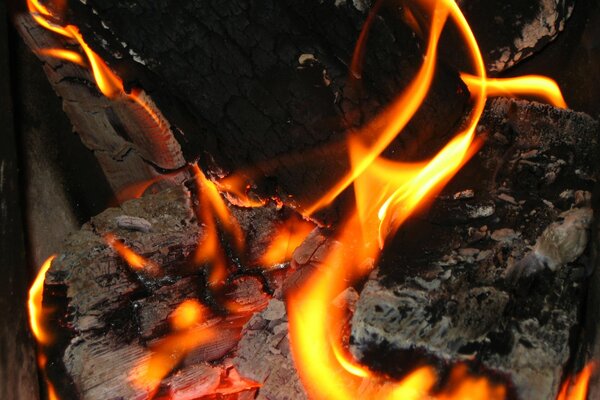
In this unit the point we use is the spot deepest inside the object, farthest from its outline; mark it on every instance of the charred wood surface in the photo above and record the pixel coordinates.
(509, 32)
(108, 317)
(495, 270)
(263, 88)
(129, 145)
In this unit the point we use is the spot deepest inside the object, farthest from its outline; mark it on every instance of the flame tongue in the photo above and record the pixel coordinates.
(387, 193)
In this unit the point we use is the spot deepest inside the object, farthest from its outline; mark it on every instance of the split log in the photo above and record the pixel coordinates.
(498, 275)
(18, 371)
(109, 318)
(263, 88)
(129, 144)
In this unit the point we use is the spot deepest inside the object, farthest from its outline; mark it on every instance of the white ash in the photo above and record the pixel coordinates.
(507, 198)
(563, 242)
(480, 211)
(132, 223)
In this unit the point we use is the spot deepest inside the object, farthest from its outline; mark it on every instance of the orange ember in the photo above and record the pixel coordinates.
(134, 260)
(36, 293)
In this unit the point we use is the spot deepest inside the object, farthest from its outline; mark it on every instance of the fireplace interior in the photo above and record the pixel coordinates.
(300, 200)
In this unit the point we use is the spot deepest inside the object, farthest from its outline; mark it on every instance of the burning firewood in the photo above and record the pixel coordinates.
(465, 294)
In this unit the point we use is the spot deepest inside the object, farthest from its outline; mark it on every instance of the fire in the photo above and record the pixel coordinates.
(212, 207)
(576, 388)
(36, 293)
(135, 261)
(189, 333)
(109, 84)
(387, 193)
(36, 319)
(534, 85)
(286, 238)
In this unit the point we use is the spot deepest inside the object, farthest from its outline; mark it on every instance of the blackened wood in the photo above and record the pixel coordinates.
(18, 369)
(263, 86)
(446, 284)
(509, 32)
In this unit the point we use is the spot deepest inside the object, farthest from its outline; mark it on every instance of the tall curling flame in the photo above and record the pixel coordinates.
(387, 193)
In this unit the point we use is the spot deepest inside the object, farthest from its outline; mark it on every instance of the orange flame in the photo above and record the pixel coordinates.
(109, 84)
(135, 261)
(387, 193)
(63, 54)
(36, 293)
(188, 335)
(534, 85)
(576, 388)
(212, 205)
(286, 238)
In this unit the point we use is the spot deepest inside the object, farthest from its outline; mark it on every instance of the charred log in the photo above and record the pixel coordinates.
(110, 316)
(495, 270)
(263, 88)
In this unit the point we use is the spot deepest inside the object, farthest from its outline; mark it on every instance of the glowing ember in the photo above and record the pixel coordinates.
(34, 303)
(134, 260)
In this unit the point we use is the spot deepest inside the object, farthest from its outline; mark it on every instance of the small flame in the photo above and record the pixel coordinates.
(188, 334)
(187, 314)
(36, 293)
(135, 261)
(576, 388)
(286, 238)
(535, 85)
(63, 54)
(210, 206)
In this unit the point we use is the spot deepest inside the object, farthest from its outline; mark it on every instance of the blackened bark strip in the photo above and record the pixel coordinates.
(264, 84)
(18, 369)
(129, 144)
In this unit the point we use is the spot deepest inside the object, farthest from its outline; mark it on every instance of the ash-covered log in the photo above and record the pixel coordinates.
(495, 270)
(112, 318)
